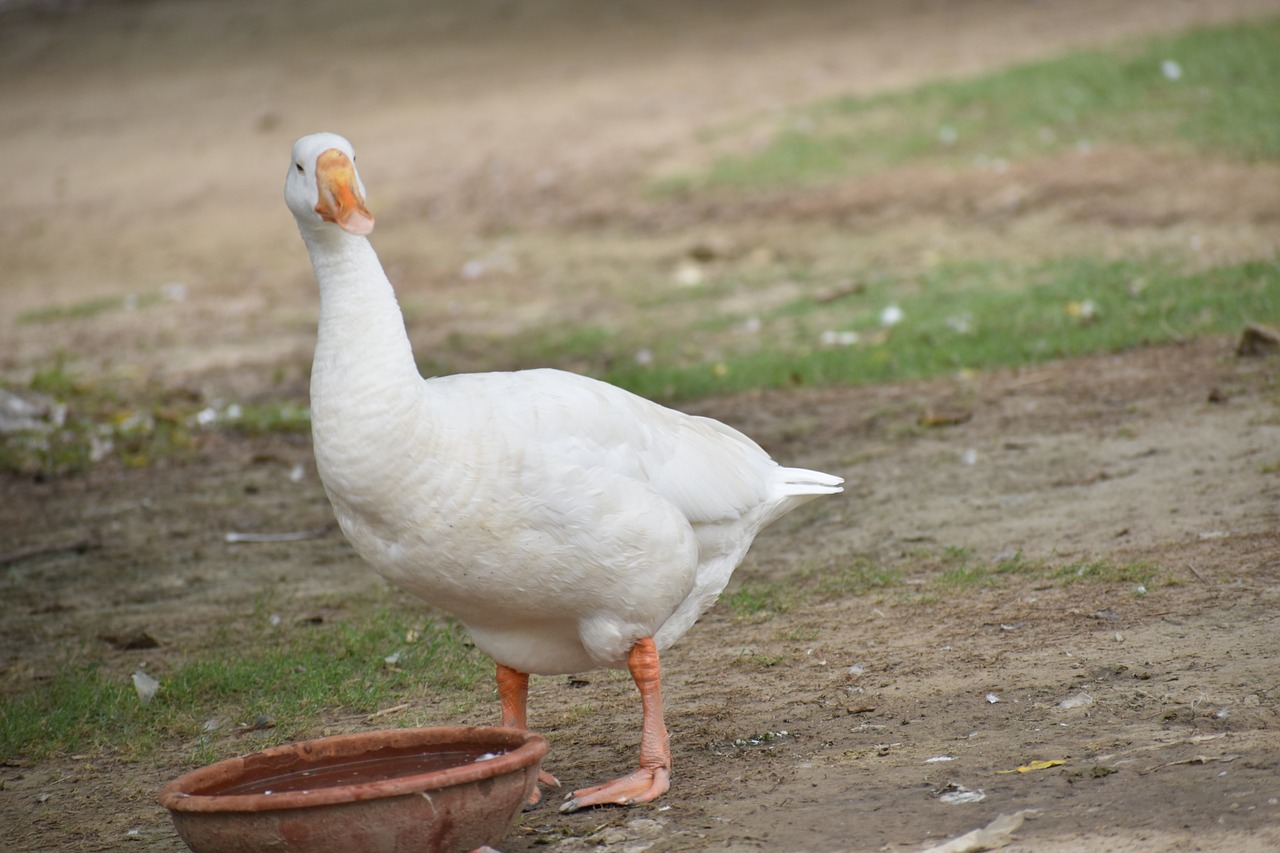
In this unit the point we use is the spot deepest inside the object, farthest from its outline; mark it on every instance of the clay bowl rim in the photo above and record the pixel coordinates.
(529, 748)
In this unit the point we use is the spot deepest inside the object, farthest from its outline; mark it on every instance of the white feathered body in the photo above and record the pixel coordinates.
(559, 518)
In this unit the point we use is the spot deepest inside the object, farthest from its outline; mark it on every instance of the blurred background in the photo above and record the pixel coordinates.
(573, 154)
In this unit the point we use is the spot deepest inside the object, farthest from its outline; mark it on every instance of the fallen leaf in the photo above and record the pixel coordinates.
(933, 418)
(1035, 765)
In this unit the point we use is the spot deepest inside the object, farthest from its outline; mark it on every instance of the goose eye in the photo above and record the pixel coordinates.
(298, 166)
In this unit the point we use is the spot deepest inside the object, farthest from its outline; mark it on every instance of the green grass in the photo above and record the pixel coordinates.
(757, 596)
(133, 425)
(1141, 574)
(90, 308)
(925, 578)
(960, 572)
(292, 675)
(1223, 101)
(960, 316)
(96, 421)
(269, 418)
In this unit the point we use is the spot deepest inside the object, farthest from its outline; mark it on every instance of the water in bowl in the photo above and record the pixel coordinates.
(356, 771)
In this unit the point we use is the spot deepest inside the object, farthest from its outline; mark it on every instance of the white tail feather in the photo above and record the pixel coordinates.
(802, 481)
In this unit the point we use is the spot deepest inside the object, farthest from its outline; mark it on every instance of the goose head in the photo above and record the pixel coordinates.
(323, 188)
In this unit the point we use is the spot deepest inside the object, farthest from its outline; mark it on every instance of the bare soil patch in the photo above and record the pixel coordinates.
(152, 138)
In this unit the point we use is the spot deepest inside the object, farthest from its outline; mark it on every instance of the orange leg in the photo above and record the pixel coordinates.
(513, 693)
(654, 776)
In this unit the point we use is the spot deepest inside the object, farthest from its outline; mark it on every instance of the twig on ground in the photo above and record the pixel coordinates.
(234, 537)
(80, 546)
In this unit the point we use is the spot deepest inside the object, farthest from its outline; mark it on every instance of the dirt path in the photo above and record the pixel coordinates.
(151, 138)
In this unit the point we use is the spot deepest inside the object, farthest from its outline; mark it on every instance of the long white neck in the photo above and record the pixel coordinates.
(366, 392)
(362, 350)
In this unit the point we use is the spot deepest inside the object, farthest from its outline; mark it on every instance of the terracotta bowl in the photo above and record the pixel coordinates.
(401, 790)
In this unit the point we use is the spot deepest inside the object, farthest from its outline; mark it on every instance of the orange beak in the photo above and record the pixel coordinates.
(341, 201)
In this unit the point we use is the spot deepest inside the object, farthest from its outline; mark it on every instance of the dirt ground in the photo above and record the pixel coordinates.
(146, 142)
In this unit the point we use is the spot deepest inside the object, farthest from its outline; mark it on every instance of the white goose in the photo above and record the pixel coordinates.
(568, 524)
